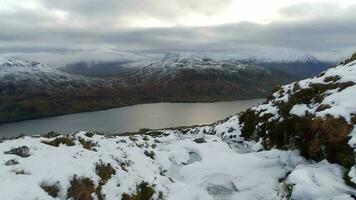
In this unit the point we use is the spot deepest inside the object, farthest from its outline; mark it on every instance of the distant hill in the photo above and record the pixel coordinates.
(302, 68)
(31, 90)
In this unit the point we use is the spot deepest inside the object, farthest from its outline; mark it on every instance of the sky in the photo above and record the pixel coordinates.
(323, 28)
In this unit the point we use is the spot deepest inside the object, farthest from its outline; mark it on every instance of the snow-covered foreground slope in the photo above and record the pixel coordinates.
(175, 166)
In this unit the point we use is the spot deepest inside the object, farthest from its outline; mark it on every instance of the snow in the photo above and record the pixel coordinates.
(300, 110)
(352, 174)
(352, 141)
(342, 103)
(181, 168)
(267, 108)
(171, 64)
(319, 181)
(11, 66)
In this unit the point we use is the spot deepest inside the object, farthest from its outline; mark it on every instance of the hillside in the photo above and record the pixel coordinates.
(303, 67)
(204, 80)
(300, 144)
(31, 90)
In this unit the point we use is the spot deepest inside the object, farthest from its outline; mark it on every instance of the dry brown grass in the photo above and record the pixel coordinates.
(66, 140)
(81, 188)
(51, 189)
(322, 107)
(87, 144)
(143, 192)
(332, 78)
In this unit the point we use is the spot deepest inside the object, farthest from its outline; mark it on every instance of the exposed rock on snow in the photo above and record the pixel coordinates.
(22, 151)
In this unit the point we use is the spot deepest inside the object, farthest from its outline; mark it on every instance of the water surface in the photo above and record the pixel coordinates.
(131, 118)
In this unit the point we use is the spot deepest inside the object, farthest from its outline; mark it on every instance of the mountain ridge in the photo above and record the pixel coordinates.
(34, 92)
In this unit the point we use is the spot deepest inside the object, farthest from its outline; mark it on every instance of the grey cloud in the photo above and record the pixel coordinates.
(165, 10)
(302, 10)
(320, 35)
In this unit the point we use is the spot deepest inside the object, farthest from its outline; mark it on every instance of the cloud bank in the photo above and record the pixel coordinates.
(325, 29)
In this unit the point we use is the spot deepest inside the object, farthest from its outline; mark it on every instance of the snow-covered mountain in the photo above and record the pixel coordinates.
(300, 144)
(171, 65)
(302, 67)
(21, 75)
(29, 89)
(201, 79)
(58, 60)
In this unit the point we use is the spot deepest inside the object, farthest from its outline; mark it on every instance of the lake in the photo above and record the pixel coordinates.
(131, 118)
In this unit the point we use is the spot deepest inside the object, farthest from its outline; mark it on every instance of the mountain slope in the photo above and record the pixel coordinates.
(202, 79)
(303, 67)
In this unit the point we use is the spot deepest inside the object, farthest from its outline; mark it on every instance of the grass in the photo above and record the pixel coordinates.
(104, 171)
(353, 119)
(332, 78)
(322, 107)
(50, 134)
(52, 190)
(348, 180)
(87, 144)
(66, 140)
(143, 192)
(81, 188)
(317, 138)
(353, 57)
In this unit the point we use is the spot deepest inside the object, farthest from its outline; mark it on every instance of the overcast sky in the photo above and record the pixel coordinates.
(324, 28)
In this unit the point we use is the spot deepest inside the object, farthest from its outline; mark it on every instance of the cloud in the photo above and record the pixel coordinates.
(125, 11)
(74, 25)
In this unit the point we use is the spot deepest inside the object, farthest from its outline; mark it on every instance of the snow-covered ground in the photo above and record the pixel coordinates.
(180, 168)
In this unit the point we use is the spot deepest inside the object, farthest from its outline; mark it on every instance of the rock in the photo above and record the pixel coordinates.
(150, 154)
(11, 162)
(199, 140)
(22, 151)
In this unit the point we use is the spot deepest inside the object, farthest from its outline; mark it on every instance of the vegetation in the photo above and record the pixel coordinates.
(24, 101)
(143, 192)
(51, 189)
(104, 171)
(87, 144)
(66, 140)
(81, 188)
(353, 58)
(317, 138)
(348, 180)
